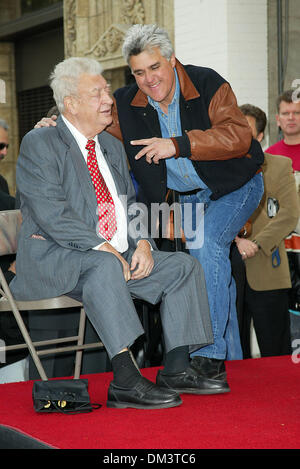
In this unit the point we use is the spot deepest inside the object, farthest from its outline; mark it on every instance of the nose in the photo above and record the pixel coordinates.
(106, 95)
(149, 76)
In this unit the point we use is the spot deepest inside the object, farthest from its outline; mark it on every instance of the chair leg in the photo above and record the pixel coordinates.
(81, 330)
(30, 346)
(23, 329)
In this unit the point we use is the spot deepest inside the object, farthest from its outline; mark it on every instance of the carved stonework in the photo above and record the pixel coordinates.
(70, 27)
(133, 12)
(109, 45)
(96, 28)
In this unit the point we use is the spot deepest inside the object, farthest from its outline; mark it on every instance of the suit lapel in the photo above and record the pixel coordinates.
(74, 153)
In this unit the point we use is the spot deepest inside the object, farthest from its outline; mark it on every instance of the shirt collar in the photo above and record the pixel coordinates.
(79, 137)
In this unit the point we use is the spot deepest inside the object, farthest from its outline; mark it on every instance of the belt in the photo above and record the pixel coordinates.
(194, 191)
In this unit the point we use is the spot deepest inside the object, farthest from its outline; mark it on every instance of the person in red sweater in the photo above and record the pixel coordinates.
(288, 120)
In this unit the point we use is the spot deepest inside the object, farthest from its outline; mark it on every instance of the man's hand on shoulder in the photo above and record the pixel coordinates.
(46, 122)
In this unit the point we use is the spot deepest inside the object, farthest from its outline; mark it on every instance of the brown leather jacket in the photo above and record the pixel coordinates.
(215, 133)
(230, 135)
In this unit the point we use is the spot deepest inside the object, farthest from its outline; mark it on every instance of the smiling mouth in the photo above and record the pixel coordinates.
(155, 85)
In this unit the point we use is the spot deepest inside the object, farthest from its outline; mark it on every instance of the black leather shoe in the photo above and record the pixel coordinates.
(209, 367)
(190, 382)
(144, 395)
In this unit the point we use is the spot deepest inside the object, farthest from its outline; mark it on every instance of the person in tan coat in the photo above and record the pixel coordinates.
(263, 251)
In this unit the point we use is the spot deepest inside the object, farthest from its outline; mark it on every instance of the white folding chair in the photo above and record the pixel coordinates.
(10, 222)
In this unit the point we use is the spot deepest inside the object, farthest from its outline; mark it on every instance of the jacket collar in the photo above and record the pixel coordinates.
(187, 88)
(70, 141)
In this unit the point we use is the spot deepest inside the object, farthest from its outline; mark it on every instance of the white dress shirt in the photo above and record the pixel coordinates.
(119, 240)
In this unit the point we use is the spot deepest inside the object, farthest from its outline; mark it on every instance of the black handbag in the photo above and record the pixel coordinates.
(67, 396)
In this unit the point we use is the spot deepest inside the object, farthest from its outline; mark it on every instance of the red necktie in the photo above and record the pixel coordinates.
(106, 206)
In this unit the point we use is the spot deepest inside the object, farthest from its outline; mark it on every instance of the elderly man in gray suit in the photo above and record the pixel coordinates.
(76, 239)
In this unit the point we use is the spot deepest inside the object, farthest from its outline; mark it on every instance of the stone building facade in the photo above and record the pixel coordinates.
(8, 110)
(96, 29)
(237, 38)
(91, 28)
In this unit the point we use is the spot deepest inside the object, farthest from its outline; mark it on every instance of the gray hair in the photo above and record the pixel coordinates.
(3, 124)
(65, 76)
(141, 37)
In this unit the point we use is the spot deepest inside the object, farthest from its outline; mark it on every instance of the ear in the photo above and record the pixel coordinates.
(277, 120)
(173, 60)
(260, 137)
(70, 104)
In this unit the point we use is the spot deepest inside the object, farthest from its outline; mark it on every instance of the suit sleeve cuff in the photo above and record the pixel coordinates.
(96, 248)
(147, 242)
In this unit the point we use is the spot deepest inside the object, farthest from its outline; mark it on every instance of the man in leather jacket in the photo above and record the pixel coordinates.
(182, 130)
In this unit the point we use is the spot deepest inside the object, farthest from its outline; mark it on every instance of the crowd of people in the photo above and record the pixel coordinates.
(179, 128)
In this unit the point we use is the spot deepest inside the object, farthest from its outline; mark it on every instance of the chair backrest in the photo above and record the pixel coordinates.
(10, 222)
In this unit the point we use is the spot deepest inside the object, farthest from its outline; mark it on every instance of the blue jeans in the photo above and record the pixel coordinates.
(222, 221)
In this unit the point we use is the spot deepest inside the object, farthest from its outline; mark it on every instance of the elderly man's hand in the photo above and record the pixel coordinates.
(125, 266)
(155, 149)
(142, 261)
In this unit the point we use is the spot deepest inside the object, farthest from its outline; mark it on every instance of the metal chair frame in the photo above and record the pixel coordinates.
(10, 222)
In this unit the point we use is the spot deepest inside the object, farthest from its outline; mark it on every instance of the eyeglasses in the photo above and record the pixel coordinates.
(3, 145)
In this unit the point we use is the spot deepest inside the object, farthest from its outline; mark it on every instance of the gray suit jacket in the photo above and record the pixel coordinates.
(58, 202)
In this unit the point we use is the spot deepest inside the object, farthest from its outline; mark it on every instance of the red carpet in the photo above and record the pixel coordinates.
(261, 411)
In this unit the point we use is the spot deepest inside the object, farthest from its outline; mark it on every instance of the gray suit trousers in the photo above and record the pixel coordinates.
(176, 282)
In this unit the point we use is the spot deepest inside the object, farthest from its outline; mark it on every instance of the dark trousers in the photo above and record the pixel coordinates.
(269, 310)
(271, 321)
